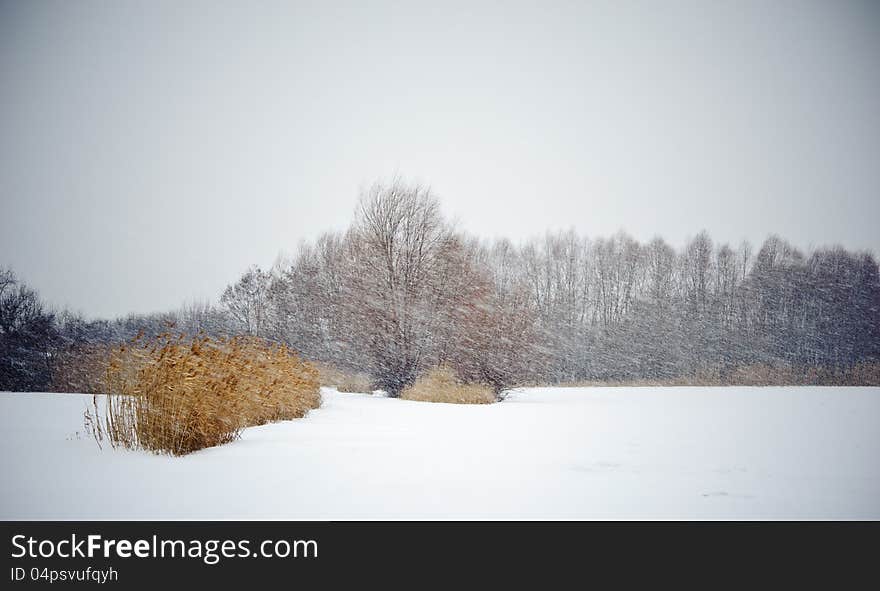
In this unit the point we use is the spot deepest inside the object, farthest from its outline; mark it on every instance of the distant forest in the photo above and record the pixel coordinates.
(403, 291)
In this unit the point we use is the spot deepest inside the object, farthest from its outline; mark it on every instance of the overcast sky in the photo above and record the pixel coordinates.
(150, 151)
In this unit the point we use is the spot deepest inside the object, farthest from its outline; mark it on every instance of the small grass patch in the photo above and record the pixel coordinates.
(332, 376)
(758, 374)
(441, 384)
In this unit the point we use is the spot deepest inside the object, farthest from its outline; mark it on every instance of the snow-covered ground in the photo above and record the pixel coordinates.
(548, 453)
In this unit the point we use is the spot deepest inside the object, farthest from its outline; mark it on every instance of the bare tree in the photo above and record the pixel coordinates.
(660, 260)
(246, 301)
(399, 242)
(697, 262)
(28, 336)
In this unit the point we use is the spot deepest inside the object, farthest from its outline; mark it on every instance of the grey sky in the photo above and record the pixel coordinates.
(150, 151)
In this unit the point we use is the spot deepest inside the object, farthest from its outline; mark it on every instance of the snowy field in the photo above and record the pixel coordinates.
(549, 453)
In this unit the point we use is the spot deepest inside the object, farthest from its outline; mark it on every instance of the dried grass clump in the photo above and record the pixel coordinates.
(441, 384)
(866, 373)
(176, 396)
(345, 381)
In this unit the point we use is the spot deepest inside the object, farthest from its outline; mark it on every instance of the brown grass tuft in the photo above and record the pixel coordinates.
(441, 384)
(344, 381)
(865, 373)
(176, 396)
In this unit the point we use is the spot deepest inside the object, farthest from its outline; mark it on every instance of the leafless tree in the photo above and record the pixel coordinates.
(399, 240)
(246, 301)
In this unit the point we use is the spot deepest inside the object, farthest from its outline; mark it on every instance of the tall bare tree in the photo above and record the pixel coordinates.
(400, 240)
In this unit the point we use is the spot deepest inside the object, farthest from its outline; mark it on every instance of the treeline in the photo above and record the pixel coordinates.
(402, 291)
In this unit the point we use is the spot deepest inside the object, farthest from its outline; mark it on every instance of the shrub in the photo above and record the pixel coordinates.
(441, 384)
(81, 368)
(170, 395)
(344, 381)
(864, 374)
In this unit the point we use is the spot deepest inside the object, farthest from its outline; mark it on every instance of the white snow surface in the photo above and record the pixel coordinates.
(543, 453)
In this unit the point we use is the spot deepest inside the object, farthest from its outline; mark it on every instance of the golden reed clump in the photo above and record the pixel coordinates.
(173, 395)
(441, 384)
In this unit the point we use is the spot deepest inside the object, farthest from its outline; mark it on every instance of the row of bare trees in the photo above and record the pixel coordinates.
(402, 290)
